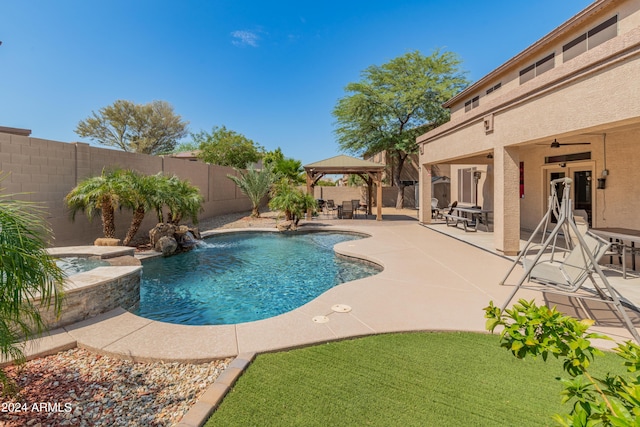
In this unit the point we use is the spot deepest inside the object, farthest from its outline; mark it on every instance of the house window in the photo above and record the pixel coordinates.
(466, 189)
(603, 32)
(545, 64)
(473, 103)
(574, 48)
(493, 89)
(527, 73)
(592, 38)
(568, 157)
(534, 70)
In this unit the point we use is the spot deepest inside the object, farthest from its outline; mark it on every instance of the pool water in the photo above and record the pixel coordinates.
(242, 277)
(74, 265)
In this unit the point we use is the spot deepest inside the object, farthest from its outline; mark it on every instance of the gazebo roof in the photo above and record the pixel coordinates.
(343, 164)
(371, 172)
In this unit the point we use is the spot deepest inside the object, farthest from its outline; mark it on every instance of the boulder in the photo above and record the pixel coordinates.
(187, 241)
(164, 236)
(161, 230)
(167, 245)
(181, 230)
(195, 232)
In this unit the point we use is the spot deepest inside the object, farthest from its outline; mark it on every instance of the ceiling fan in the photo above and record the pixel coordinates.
(556, 144)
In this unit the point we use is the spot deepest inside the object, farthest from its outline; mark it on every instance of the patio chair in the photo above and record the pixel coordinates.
(331, 206)
(435, 210)
(362, 207)
(347, 209)
(355, 204)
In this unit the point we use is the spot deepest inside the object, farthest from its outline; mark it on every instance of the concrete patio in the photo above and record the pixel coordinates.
(430, 282)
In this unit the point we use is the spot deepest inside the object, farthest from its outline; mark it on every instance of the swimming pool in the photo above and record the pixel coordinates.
(242, 277)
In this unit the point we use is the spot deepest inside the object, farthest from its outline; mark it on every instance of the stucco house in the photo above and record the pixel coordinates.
(566, 106)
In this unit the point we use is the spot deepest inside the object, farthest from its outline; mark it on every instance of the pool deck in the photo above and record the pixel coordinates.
(430, 282)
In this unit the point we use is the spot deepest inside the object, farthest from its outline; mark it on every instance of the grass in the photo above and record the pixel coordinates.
(417, 379)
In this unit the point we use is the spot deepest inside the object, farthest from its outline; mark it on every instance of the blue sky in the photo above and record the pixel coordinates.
(271, 70)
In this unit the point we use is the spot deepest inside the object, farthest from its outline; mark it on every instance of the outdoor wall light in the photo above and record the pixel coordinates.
(601, 183)
(562, 165)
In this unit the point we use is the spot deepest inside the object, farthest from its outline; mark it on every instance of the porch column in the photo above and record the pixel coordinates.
(424, 210)
(309, 191)
(369, 200)
(379, 196)
(506, 203)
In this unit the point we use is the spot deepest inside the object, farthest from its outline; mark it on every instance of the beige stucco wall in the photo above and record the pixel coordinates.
(614, 206)
(580, 100)
(508, 75)
(48, 170)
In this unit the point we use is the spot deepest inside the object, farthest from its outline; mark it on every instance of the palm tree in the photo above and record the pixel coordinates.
(27, 274)
(182, 199)
(255, 184)
(99, 195)
(293, 202)
(142, 194)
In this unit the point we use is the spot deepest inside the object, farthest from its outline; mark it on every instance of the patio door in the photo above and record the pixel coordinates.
(581, 190)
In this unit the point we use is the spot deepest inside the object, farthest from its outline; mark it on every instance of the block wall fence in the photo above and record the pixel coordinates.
(47, 170)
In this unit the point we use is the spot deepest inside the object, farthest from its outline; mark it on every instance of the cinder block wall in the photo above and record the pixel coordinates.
(48, 170)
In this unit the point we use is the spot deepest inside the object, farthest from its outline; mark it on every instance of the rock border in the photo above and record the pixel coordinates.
(210, 400)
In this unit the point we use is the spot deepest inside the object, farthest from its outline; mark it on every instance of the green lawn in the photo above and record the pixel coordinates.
(417, 379)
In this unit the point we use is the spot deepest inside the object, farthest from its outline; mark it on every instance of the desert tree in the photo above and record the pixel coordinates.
(395, 102)
(152, 128)
(226, 147)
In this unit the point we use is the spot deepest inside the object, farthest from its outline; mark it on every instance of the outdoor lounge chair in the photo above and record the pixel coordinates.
(347, 209)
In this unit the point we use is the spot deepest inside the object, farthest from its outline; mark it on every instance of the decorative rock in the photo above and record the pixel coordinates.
(161, 230)
(108, 391)
(167, 245)
(184, 236)
(195, 232)
(107, 241)
(187, 241)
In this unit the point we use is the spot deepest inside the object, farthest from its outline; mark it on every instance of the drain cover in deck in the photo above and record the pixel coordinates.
(320, 319)
(341, 308)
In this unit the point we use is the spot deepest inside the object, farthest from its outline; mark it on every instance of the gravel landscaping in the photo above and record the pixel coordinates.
(80, 388)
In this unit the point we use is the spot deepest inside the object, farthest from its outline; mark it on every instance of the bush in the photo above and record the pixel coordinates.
(529, 330)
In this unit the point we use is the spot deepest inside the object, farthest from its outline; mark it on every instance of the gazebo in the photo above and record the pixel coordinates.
(370, 172)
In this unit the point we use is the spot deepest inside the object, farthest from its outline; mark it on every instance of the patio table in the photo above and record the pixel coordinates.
(478, 215)
(623, 239)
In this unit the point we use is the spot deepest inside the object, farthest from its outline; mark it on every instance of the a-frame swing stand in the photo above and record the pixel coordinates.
(582, 250)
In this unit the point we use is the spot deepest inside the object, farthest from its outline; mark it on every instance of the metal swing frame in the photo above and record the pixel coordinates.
(562, 209)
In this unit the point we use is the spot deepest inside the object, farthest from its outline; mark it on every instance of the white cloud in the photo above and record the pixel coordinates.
(245, 38)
